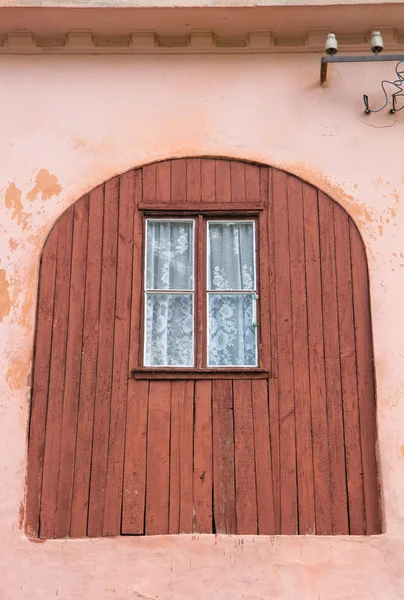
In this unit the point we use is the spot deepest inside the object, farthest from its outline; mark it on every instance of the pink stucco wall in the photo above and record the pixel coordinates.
(69, 123)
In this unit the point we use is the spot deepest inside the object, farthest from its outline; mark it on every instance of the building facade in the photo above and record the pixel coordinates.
(144, 458)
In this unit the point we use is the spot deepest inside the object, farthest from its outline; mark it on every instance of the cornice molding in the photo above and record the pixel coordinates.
(198, 42)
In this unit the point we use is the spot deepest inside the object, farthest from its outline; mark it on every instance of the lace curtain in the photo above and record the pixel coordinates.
(169, 288)
(231, 333)
(169, 327)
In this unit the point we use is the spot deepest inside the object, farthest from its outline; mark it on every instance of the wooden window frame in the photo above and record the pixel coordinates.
(201, 215)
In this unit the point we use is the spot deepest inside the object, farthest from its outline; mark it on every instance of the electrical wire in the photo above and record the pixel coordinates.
(398, 84)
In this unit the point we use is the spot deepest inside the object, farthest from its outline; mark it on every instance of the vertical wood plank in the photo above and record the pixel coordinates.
(149, 173)
(263, 468)
(332, 367)
(366, 386)
(134, 495)
(238, 181)
(224, 501)
(348, 373)
(179, 180)
(274, 428)
(113, 492)
(203, 457)
(194, 180)
(288, 500)
(135, 350)
(73, 368)
(321, 464)
(264, 331)
(57, 376)
(104, 361)
(158, 452)
(223, 187)
(208, 176)
(177, 389)
(39, 402)
(272, 277)
(163, 181)
(253, 174)
(246, 492)
(88, 379)
(186, 457)
(181, 457)
(274, 421)
(304, 442)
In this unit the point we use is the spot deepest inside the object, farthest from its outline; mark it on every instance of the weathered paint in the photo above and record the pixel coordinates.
(74, 122)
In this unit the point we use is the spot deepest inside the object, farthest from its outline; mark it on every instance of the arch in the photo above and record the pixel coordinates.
(112, 452)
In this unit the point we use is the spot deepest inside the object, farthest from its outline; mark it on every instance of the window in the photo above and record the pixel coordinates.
(227, 296)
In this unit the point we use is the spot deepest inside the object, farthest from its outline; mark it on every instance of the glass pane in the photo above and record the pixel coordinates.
(231, 256)
(232, 337)
(169, 330)
(169, 255)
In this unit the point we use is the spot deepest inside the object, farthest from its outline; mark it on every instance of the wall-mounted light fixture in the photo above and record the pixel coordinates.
(376, 46)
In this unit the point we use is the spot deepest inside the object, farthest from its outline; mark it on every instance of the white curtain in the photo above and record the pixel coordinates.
(231, 333)
(169, 328)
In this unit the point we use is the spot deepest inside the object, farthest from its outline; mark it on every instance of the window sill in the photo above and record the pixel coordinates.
(191, 373)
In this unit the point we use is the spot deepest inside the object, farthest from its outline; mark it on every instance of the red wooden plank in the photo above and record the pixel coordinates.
(263, 468)
(246, 492)
(304, 442)
(253, 173)
(273, 383)
(194, 180)
(203, 457)
(163, 181)
(238, 181)
(104, 361)
(113, 492)
(224, 501)
(85, 419)
(39, 402)
(177, 389)
(179, 181)
(339, 512)
(264, 305)
(321, 465)
(223, 187)
(348, 373)
(208, 175)
(186, 457)
(149, 183)
(158, 453)
(272, 278)
(57, 376)
(134, 489)
(274, 428)
(366, 386)
(73, 368)
(288, 501)
(135, 349)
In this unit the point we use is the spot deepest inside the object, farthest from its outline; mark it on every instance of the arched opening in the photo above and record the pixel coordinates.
(282, 445)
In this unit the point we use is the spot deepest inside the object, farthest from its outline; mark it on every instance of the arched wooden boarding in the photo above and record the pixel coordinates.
(285, 448)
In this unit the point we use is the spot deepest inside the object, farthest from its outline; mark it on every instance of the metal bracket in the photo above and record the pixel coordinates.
(325, 60)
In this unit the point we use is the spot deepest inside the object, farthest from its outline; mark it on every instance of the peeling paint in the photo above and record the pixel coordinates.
(12, 244)
(5, 301)
(45, 184)
(17, 374)
(13, 201)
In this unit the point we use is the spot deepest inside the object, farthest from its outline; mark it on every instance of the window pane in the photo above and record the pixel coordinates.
(232, 337)
(169, 255)
(169, 330)
(231, 256)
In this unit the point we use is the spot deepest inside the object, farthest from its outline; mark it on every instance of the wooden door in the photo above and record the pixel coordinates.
(286, 448)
